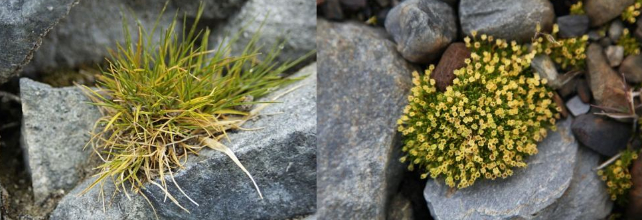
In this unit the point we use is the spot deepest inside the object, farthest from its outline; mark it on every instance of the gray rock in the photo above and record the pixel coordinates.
(614, 54)
(572, 25)
(281, 157)
(412, 24)
(22, 27)
(601, 134)
(545, 68)
(56, 126)
(506, 19)
(521, 196)
(213, 9)
(577, 107)
(615, 30)
(602, 11)
(631, 67)
(586, 196)
(363, 88)
(594, 35)
(294, 20)
(400, 208)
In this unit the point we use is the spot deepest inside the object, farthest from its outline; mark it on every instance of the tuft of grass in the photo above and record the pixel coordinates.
(165, 101)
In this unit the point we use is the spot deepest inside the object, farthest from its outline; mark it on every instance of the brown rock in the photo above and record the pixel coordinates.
(632, 68)
(583, 90)
(560, 103)
(602, 11)
(452, 59)
(608, 88)
(603, 135)
(634, 208)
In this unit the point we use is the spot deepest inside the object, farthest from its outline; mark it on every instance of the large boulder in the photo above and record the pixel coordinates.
(506, 19)
(363, 85)
(422, 28)
(602, 11)
(521, 196)
(281, 157)
(23, 24)
(56, 126)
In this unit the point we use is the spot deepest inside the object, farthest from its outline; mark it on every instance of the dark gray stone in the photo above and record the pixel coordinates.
(281, 157)
(56, 126)
(294, 20)
(213, 9)
(506, 19)
(521, 196)
(422, 28)
(22, 27)
(601, 134)
(615, 30)
(572, 25)
(631, 67)
(602, 11)
(363, 85)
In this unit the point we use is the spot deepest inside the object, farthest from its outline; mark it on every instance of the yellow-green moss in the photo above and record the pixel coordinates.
(569, 53)
(632, 12)
(577, 8)
(617, 176)
(485, 124)
(630, 44)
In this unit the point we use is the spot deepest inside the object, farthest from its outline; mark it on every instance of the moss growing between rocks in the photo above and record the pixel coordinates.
(577, 8)
(631, 13)
(630, 44)
(618, 177)
(485, 124)
(568, 53)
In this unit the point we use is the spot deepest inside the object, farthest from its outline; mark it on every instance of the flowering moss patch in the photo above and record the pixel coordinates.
(577, 8)
(617, 176)
(568, 53)
(632, 12)
(630, 44)
(486, 123)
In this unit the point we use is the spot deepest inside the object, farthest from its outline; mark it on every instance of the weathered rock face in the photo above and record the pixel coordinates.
(506, 19)
(22, 27)
(632, 68)
(294, 20)
(421, 28)
(56, 126)
(521, 196)
(454, 58)
(602, 11)
(603, 135)
(606, 85)
(573, 25)
(281, 157)
(363, 87)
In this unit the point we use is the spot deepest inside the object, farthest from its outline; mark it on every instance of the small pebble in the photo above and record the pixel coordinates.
(615, 55)
(577, 107)
(615, 30)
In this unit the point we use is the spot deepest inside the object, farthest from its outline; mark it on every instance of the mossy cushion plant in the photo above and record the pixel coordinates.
(486, 123)
(165, 101)
(569, 53)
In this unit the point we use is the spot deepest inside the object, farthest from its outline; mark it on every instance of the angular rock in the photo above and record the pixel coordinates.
(56, 126)
(560, 103)
(603, 135)
(529, 191)
(614, 54)
(615, 30)
(452, 59)
(631, 67)
(545, 68)
(577, 107)
(281, 157)
(572, 25)
(506, 19)
(606, 85)
(602, 11)
(584, 91)
(22, 27)
(586, 196)
(421, 28)
(294, 20)
(363, 88)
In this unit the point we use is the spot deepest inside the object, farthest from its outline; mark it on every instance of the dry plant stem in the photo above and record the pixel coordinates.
(10, 96)
(608, 162)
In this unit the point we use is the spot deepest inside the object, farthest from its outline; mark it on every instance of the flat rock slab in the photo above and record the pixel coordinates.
(56, 126)
(520, 196)
(281, 158)
(23, 24)
(363, 87)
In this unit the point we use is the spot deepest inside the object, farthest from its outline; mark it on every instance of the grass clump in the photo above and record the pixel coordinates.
(630, 44)
(617, 176)
(569, 53)
(486, 123)
(165, 101)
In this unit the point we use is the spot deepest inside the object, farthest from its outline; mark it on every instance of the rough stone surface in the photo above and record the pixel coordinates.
(452, 59)
(421, 28)
(615, 30)
(631, 67)
(606, 85)
(577, 107)
(602, 11)
(363, 85)
(573, 25)
(601, 134)
(586, 196)
(545, 68)
(506, 19)
(294, 20)
(521, 196)
(281, 157)
(614, 54)
(22, 27)
(56, 126)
